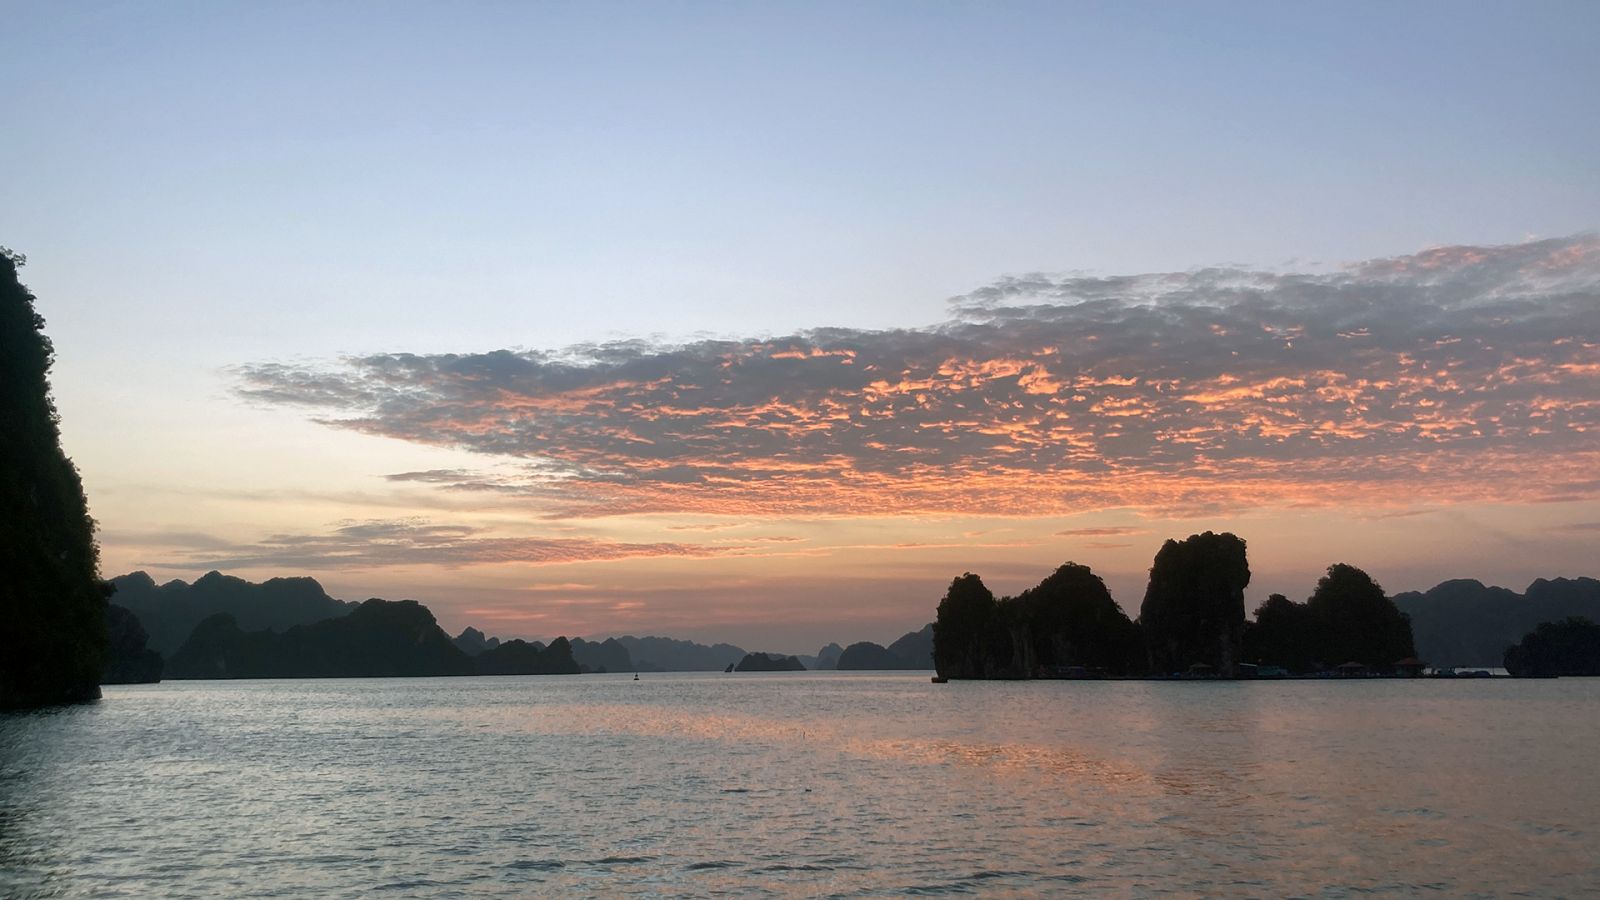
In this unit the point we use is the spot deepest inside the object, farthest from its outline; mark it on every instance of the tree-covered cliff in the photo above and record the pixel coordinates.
(1568, 647)
(1193, 611)
(1348, 618)
(1068, 621)
(53, 645)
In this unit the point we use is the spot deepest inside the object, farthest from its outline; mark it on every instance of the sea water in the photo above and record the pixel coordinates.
(804, 784)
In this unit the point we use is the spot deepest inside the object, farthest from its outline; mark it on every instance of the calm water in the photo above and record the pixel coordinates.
(827, 783)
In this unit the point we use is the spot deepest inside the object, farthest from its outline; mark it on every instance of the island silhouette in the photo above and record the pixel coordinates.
(64, 638)
(1192, 623)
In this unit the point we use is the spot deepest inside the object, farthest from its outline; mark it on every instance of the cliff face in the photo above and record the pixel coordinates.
(1193, 610)
(52, 602)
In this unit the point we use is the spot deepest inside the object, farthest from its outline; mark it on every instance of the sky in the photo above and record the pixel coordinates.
(762, 322)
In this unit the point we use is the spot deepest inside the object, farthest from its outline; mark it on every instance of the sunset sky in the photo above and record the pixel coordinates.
(762, 323)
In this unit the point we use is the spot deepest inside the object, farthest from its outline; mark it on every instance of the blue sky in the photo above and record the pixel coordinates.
(678, 167)
(206, 186)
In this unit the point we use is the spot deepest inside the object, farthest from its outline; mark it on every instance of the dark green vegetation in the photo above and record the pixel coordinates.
(1465, 623)
(128, 660)
(763, 662)
(1347, 619)
(380, 638)
(968, 641)
(1067, 622)
(1192, 622)
(169, 612)
(53, 645)
(1568, 647)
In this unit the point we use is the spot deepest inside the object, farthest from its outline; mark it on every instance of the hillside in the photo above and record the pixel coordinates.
(1467, 623)
(169, 612)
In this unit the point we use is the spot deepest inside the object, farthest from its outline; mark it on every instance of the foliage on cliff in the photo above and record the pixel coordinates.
(1070, 620)
(53, 645)
(1357, 620)
(1348, 618)
(968, 639)
(128, 660)
(1467, 623)
(1067, 621)
(1192, 622)
(1193, 611)
(1568, 647)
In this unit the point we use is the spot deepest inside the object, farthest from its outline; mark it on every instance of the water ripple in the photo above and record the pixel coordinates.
(804, 785)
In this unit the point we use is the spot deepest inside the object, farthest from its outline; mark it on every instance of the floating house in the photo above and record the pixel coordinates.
(1410, 667)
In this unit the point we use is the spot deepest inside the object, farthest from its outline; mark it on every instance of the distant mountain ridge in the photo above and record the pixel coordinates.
(609, 655)
(763, 662)
(1461, 622)
(170, 612)
(827, 657)
(659, 654)
(1464, 622)
(472, 642)
(380, 638)
(913, 650)
(915, 647)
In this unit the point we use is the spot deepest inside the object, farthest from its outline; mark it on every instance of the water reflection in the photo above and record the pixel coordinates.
(803, 785)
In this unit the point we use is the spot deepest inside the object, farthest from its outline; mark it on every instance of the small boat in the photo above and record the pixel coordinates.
(940, 679)
(636, 676)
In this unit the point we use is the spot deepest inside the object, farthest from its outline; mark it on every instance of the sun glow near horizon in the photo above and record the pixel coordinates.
(834, 479)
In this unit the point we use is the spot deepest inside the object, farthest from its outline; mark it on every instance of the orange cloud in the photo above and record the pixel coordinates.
(1457, 374)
